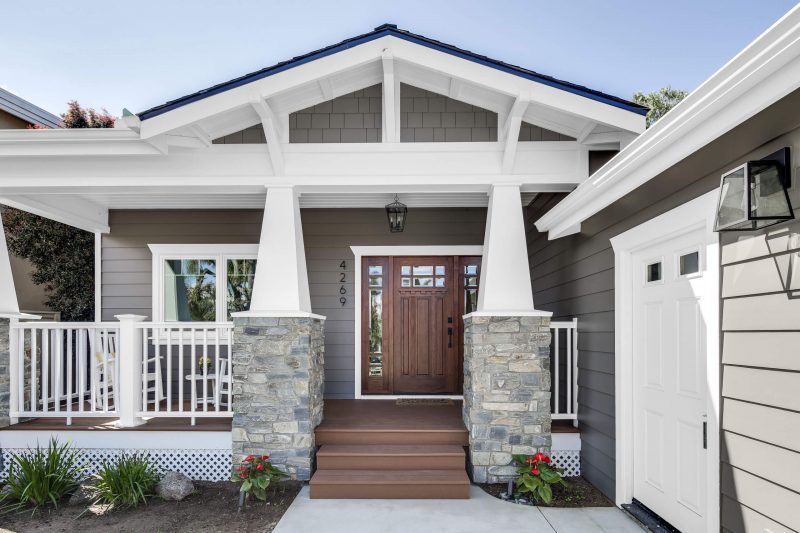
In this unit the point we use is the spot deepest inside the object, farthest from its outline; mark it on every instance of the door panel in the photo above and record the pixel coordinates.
(669, 375)
(424, 315)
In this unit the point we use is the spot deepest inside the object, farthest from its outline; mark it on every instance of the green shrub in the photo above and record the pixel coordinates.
(41, 476)
(126, 481)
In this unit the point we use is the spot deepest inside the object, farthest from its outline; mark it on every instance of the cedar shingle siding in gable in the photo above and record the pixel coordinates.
(424, 117)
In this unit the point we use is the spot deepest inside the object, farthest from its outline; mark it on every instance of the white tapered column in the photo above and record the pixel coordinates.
(505, 285)
(8, 294)
(281, 282)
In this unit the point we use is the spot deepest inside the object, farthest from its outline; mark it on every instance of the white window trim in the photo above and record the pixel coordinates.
(219, 252)
(699, 213)
(380, 251)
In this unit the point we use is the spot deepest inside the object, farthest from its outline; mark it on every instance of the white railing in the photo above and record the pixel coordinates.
(129, 370)
(63, 369)
(564, 349)
(186, 370)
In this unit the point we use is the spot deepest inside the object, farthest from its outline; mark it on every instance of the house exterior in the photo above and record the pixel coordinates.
(558, 284)
(17, 113)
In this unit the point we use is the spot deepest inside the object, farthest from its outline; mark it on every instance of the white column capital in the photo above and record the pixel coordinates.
(505, 285)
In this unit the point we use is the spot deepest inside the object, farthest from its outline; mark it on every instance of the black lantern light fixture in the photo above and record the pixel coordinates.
(754, 195)
(396, 211)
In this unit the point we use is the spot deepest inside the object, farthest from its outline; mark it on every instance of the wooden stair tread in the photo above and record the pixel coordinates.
(391, 450)
(390, 477)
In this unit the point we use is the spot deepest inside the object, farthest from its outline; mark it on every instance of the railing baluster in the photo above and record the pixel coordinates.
(569, 371)
(69, 376)
(57, 356)
(145, 357)
(192, 381)
(230, 369)
(169, 370)
(217, 382)
(34, 364)
(205, 370)
(45, 369)
(180, 370)
(21, 370)
(556, 363)
(82, 353)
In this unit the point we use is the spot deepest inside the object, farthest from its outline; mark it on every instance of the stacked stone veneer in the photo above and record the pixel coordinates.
(506, 392)
(5, 371)
(278, 382)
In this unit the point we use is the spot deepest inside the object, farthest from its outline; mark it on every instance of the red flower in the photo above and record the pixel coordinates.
(539, 456)
(244, 474)
(260, 466)
(546, 459)
(265, 457)
(248, 458)
(535, 471)
(241, 468)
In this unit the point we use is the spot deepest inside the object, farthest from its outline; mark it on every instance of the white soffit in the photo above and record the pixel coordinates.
(255, 200)
(767, 70)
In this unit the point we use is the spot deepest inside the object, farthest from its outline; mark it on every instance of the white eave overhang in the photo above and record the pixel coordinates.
(764, 72)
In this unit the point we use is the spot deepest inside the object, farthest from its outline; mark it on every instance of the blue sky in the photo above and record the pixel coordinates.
(138, 54)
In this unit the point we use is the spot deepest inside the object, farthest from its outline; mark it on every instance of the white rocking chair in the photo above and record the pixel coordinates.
(103, 370)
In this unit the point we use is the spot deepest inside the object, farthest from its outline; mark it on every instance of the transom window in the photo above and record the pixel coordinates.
(202, 283)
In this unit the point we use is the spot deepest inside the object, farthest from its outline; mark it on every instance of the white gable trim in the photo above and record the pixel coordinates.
(761, 74)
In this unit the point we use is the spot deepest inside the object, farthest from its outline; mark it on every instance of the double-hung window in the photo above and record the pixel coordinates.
(202, 283)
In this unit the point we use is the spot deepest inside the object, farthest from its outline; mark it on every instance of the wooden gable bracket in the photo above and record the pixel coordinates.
(511, 129)
(391, 99)
(272, 132)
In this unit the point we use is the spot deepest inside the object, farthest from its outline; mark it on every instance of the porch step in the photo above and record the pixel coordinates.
(390, 484)
(391, 457)
(458, 437)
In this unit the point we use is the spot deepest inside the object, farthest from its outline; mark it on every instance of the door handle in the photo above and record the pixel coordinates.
(449, 337)
(705, 435)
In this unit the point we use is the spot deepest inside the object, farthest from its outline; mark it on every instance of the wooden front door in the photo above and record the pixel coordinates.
(412, 327)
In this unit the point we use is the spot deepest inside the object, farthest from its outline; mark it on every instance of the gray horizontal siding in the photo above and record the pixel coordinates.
(328, 234)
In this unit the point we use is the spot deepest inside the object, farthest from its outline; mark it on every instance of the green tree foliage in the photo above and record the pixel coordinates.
(62, 256)
(659, 102)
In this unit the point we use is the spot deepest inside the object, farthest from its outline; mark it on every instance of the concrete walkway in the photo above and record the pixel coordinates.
(480, 514)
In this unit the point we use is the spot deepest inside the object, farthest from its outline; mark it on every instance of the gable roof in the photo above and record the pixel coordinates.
(386, 30)
(23, 109)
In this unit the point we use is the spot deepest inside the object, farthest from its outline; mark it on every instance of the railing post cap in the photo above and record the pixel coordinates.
(131, 318)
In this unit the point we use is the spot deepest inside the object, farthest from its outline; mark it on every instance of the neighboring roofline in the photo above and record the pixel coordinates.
(383, 31)
(767, 70)
(23, 109)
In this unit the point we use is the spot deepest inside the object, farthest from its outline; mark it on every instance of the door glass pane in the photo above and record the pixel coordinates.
(376, 332)
(423, 282)
(470, 300)
(471, 281)
(440, 282)
(471, 269)
(654, 272)
(375, 281)
(405, 282)
(405, 270)
(241, 273)
(375, 270)
(440, 270)
(690, 263)
(190, 290)
(423, 271)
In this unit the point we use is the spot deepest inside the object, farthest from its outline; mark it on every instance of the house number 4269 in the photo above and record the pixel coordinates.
(342, 280)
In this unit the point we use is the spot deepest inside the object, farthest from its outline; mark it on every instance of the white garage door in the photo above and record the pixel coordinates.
(669, 379)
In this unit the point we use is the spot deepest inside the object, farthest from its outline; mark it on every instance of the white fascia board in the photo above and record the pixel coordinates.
(71, 210)
(491, 78)
(763, 73)
(266, 87)
(73, 142)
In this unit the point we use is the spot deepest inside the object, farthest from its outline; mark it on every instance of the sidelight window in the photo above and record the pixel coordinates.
(375, 320)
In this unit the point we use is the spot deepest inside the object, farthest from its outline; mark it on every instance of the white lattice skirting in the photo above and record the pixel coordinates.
(569, 460)
(202, 465)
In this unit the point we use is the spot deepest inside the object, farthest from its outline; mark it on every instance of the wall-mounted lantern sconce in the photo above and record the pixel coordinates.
(754, 195)
(396, 211)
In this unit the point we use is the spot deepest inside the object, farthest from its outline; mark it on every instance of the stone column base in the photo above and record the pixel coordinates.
(278, 380)
(506, 392)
